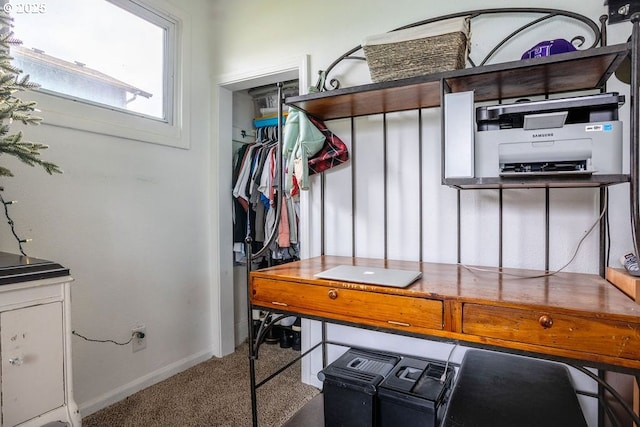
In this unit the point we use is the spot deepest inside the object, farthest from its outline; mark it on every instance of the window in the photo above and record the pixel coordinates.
(119, 56)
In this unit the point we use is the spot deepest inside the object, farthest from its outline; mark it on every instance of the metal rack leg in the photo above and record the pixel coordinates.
(250, 256)
(254, 397)
(325, 356)
(635, 132)
(252, 343)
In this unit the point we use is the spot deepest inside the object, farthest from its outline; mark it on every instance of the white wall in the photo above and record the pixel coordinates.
(325, 33)
(132, 220)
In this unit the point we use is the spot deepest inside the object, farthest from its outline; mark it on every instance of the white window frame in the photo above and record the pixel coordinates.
(73, 113)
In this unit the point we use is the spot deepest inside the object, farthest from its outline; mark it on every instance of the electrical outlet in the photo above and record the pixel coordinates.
(139, 341)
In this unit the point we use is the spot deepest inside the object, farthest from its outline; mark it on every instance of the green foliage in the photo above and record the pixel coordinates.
(13, 108)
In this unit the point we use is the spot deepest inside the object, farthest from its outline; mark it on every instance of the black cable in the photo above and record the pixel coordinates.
(111, 341)
(12, 224)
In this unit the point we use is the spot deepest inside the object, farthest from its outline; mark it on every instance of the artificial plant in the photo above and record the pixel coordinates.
(13, 108)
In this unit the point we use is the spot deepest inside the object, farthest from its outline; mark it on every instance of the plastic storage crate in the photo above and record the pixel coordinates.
(350, 386)
(414, 394)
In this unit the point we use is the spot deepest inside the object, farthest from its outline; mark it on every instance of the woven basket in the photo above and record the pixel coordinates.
(417, 56)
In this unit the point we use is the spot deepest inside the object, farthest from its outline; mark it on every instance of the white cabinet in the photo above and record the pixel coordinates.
(35, 351)
(32, 362)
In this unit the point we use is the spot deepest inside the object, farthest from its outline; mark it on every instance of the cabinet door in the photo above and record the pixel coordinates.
(31, 343)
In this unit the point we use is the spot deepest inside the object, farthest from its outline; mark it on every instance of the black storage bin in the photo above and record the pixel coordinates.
(350, 385)
(495, 390)
(414, 394)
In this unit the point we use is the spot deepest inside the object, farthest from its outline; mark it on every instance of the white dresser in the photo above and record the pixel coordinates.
(35, 343)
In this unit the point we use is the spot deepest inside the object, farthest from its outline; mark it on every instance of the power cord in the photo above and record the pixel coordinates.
(136, 334)
(575, 253)
(446, 366)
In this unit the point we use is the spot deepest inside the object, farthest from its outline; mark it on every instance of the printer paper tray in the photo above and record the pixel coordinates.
(543, 173)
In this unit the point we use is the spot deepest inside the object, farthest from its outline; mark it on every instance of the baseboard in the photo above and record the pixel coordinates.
(311, 335)
(116, 395)
(241, 331)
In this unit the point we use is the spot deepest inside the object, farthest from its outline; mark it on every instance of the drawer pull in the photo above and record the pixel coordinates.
(333, 294)
(545, 321)
(393, 322)
(279, 303)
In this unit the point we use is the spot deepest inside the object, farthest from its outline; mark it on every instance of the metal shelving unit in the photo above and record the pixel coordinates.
(569, 72)
(540, 76)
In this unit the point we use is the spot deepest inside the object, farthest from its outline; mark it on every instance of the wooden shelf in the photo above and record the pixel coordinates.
(567, 72)
(536, 182)
(624, 281)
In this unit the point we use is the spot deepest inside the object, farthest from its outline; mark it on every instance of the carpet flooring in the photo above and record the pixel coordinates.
(214, 393)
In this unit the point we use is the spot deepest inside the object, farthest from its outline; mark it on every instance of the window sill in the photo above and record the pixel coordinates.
(70, 114)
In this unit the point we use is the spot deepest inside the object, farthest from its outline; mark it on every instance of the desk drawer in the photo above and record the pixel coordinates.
(386, 310)
(587, 334)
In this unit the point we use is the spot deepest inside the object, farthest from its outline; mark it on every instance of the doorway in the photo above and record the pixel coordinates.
(229, 296)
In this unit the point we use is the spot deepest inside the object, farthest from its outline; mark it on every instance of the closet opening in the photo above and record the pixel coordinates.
(253, 168)
(235, 112)
(252, 122)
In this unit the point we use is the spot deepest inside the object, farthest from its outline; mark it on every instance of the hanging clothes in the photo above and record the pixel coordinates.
(334, 152)
(256, 200)
(301, 141)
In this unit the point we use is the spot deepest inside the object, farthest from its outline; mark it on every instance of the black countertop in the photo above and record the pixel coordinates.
(19, 268)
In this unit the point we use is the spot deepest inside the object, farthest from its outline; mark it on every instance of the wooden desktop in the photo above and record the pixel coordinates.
(573, 317)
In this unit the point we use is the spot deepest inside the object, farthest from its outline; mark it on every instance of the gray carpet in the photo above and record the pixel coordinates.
(214, 393)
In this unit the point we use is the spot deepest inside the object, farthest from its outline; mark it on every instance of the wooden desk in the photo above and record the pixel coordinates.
(567, 316)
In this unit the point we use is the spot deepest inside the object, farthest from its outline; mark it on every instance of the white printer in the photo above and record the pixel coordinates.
(568, 136)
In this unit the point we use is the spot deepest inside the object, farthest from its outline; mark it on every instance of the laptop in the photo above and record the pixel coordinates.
(371, 275)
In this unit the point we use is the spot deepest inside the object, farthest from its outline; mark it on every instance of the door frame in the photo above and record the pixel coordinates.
(223, 307)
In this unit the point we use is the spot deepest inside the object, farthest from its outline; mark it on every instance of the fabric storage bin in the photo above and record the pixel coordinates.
(414, 394)
(416, 51)
(350, 386)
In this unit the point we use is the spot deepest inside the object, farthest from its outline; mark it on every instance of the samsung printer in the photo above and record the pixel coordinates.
(565, 136)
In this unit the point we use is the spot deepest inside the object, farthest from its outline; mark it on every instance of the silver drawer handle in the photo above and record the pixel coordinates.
(16, 361)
